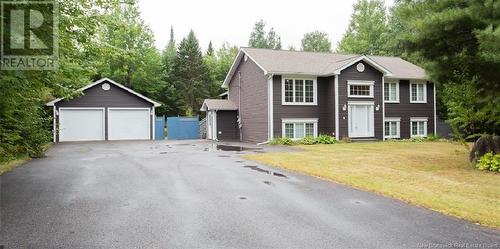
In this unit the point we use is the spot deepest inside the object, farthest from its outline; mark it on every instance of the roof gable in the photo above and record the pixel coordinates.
(156, 104)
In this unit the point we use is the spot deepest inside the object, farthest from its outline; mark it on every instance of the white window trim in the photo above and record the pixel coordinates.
(398, 127)
(299, 120)
(418, 119)
(360, 83)
(397, 92)
(425, 92)
(292, 77)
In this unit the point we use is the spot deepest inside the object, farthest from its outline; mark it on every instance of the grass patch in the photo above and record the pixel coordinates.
(435, 175)
(10, 165)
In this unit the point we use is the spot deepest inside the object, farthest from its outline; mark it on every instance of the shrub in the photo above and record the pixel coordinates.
(433, 137)
(489, 161)
(282, 141)
(326, 139)
(307, 140)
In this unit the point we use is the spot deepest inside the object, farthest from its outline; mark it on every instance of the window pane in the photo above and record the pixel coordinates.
(309, 129)
(420, 92)
(299, 91)
(359, 90)
(386, 129)
(289, 130)
(421, 128)
(394, 129)
(386, 91)
(414, 92)
(299, 130)
(414, 128)
(392, 92)
(309, 91)
(288, 90)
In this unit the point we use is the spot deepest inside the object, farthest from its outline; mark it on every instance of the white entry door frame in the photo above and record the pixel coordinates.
(361, 119)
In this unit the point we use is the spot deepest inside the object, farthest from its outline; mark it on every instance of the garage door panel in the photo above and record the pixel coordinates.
(128, 124)
(81, 124)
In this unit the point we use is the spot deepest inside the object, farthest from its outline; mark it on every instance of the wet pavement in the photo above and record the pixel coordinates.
(198, 194)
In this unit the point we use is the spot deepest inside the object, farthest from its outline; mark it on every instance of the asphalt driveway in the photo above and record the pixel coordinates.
(191, 194)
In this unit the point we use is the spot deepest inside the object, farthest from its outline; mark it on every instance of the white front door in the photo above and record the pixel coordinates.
(361, 120)
(128, 123)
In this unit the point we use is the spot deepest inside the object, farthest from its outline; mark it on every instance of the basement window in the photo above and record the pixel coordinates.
(299, 128)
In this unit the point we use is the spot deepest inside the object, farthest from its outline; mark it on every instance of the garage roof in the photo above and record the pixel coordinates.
(156, 104)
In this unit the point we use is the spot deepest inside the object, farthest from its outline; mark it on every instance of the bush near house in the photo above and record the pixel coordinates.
(321, 139)
(489, 161)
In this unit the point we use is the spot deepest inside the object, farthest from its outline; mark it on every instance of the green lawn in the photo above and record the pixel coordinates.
(434, 175)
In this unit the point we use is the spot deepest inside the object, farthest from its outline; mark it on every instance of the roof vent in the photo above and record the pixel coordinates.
(360, 67)
(106, 86)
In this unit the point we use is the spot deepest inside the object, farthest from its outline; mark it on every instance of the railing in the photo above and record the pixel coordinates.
(203, 128)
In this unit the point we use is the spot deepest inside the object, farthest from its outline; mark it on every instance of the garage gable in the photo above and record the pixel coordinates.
(105, 93)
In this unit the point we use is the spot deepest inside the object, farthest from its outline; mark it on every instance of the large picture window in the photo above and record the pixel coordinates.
(418, 127)
(391, 92)
(300, 128)
(298, 91)
(418, 93)
(360, 89)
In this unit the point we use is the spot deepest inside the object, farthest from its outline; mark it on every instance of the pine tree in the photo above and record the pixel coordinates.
(259, 38)
(210, 49)
(168, 95)
(191, 76)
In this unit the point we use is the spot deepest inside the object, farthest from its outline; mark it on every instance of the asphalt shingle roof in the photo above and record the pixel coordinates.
(316, 63)
(218, 104)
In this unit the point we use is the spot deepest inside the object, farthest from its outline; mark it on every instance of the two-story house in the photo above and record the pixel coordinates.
(277, 93)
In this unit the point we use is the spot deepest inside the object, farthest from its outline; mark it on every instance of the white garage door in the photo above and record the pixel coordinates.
(127, 124)
(81, 124)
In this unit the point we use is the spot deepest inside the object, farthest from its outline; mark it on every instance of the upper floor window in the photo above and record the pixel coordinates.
(360, 89)
(418, 93)
(299, 91)
(391, 92)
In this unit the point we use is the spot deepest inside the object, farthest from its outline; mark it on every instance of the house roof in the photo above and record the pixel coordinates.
(156, 104)
(322, 64)
(218, 104)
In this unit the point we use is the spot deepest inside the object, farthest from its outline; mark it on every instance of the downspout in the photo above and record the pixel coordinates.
(240, 120)
(337, 128)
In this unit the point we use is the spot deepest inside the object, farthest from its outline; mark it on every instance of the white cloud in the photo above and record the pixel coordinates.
(231, 21)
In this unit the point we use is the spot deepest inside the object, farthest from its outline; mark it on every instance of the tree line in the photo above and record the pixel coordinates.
(457, 42)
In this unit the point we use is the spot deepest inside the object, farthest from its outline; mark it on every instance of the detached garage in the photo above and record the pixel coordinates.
(106, 110)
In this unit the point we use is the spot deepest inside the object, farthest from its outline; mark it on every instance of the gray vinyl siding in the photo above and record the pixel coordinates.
(254, 99)
(369, 74)
(114, 97)
(405, 110)
(323, 111)
(227, 125)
